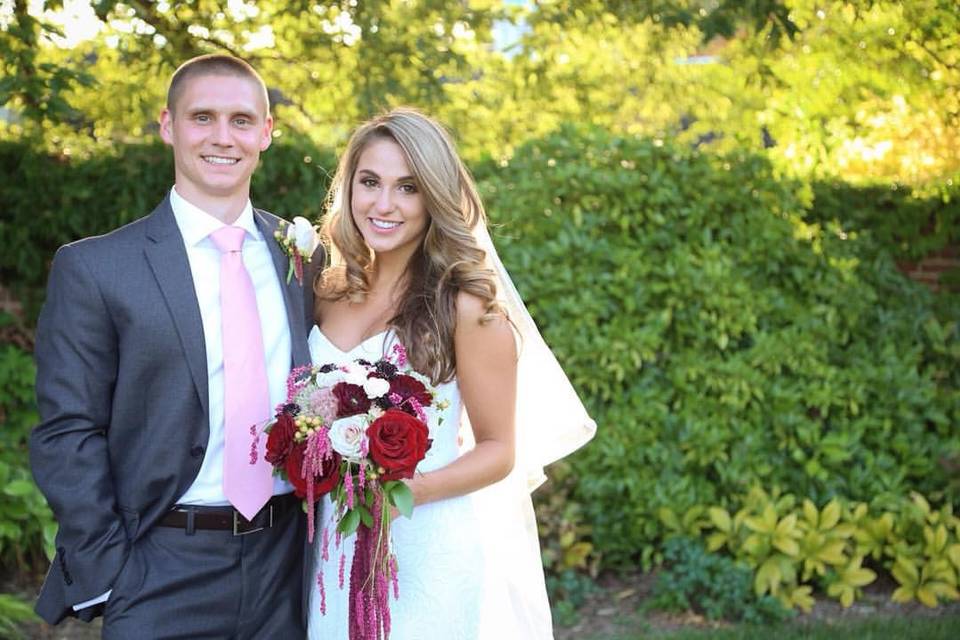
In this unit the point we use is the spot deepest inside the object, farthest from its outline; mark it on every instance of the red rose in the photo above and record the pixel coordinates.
(280, 439)
(398, 442)
(409, 387)
(351, 399)
(323, 483)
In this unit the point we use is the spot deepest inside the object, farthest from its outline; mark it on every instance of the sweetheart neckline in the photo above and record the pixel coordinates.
(352, 349)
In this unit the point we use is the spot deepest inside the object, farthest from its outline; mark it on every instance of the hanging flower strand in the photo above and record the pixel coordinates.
(356, 431)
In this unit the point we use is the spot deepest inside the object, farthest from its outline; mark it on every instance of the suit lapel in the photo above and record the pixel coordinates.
(168, 259)
(293, 292)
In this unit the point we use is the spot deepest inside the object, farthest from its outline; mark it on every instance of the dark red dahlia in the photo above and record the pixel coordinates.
(409, 387)
(351, 399)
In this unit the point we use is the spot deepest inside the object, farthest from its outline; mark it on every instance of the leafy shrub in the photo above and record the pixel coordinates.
(720, 338)
(568, 590)
(726, 327)
(560, 521)
(569, 559)
(12, 612)
(716, 586)
(792, 546)
(98, 193)
(907, 223)
(26, 524)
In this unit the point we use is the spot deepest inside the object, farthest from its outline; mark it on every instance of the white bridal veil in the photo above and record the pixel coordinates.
(551, 422)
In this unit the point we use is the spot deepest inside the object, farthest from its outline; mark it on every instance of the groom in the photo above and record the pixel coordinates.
(160, 349)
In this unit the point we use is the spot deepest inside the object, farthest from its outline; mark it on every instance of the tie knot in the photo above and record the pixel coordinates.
(228, 239)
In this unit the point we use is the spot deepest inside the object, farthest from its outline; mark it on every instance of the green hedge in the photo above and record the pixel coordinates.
(48, 201)
(726, 328)
(908, 223)
(720, 339)
(26, 524)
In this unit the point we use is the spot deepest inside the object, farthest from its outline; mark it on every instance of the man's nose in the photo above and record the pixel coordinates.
(222, 134)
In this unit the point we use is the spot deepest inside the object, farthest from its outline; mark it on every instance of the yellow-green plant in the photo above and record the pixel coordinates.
(849, 579)
(926, 567)
(873, 536)
(793, 547)
(824, 538)
(691, 523)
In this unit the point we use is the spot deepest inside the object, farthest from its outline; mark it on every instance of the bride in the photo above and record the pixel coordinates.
(411, 263)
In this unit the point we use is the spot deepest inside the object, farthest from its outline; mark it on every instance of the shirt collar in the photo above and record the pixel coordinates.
(196, 224)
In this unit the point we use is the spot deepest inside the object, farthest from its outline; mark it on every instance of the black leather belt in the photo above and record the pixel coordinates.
(192, 517)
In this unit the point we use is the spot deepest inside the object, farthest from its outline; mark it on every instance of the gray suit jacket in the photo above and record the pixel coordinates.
(122, 393)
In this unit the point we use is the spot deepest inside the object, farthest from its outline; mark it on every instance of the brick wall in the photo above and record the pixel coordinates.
(929, 269)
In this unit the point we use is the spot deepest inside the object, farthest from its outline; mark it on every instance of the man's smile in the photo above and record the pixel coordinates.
(220, 160)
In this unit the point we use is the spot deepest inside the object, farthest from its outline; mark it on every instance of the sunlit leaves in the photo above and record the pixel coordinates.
(849, 579)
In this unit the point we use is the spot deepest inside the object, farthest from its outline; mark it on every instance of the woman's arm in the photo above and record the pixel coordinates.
(487, 376)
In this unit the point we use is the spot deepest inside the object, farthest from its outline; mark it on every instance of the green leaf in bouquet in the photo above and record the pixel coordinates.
(365, 516)
(349, 522)
(401, 497)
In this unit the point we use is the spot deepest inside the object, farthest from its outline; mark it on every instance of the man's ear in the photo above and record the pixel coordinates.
(267, 137)
(166, 126)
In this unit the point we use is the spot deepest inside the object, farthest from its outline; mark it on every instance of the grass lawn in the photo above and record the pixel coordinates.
(942, 627)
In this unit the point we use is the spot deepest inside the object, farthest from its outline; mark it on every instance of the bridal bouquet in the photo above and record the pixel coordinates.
(355, 431)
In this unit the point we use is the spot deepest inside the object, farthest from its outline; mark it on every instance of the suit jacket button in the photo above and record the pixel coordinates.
(197, 451)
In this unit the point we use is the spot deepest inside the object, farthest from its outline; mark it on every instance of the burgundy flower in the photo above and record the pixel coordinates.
(351, 399)
(323, 483)
(409, 387)
(280, 439)
(398, 442)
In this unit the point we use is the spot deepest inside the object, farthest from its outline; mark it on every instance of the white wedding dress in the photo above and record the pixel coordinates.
(455, 580)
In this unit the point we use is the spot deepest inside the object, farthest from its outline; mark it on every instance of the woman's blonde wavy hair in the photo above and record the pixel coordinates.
(448, 259)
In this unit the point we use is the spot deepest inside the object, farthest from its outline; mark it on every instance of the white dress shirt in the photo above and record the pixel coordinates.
(196, 226)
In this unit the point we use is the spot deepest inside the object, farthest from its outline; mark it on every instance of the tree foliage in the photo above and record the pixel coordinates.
(865, 90)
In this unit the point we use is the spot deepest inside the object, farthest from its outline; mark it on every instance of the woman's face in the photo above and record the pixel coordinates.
(386, 202)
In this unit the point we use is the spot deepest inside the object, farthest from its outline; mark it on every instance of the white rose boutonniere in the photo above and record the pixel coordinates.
(298, 240)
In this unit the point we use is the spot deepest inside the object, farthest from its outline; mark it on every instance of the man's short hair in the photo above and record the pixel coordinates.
(212, 64)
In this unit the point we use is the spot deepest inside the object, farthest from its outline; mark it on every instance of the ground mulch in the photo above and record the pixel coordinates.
(618, 607)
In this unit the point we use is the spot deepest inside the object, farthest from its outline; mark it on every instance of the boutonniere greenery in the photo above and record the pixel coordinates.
(298, 240)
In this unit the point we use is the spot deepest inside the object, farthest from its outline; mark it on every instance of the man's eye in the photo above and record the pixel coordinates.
(241, 122)
(203, 118)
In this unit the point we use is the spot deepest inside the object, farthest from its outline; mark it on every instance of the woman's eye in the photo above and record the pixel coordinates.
(368, 182)
(408, 188)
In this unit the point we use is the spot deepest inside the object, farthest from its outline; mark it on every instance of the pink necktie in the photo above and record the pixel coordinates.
(247, 481)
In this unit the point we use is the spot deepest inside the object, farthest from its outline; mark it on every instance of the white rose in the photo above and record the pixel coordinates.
(303, 235)
(375, 387)
(329, 378)
(354, 373)
(347, 436)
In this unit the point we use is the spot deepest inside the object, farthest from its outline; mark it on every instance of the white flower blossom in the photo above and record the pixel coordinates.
(304, 236)
(347, 436)
(354, 374)
(375, 387)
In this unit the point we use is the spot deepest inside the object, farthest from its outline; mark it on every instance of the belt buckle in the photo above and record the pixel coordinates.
(237, 531)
